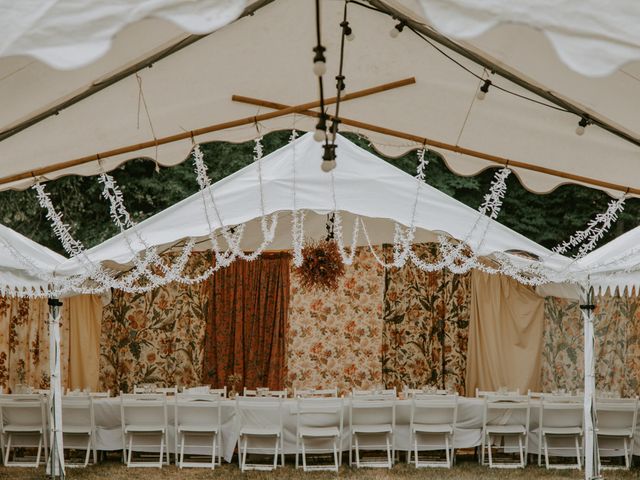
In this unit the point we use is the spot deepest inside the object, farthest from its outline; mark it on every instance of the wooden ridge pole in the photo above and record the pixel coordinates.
(452, 148)
(279, 112)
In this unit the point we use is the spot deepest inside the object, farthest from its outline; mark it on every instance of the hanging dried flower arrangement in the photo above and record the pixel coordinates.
(321, 267)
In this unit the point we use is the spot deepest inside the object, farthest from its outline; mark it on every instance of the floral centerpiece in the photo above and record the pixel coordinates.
(234, 379)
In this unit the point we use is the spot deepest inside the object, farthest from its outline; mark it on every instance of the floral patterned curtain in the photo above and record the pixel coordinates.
(156, 337)
(24, 343)
(426, 323)
(335, 338)
(617, 347)
(247, 323)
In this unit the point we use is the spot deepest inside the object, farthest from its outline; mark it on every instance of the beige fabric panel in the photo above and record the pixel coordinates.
(505, 335)
(84, 316)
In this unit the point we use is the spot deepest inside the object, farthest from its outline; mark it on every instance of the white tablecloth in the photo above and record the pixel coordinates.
(468, 427)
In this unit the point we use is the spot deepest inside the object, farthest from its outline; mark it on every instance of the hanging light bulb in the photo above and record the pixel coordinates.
(395, 31)
(319, 61)
(328, 158)
(328, 165)
(582, 124)
(484, 89)
(320, 135)
(347, 30)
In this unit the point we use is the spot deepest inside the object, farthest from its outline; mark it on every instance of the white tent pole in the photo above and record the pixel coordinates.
(55, 466)
(591, 466)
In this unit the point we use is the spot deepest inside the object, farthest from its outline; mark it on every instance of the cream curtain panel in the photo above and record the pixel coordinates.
(24, 343)
(83, 315)
(505, 335)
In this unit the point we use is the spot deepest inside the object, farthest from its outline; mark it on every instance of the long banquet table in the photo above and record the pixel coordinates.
(468, 427)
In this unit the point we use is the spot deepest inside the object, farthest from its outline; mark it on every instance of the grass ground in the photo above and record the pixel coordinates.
(465, 470)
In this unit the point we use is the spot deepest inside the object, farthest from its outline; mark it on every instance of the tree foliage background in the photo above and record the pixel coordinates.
(547, 219)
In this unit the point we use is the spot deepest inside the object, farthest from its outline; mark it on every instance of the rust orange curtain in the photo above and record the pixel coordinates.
(247, 323)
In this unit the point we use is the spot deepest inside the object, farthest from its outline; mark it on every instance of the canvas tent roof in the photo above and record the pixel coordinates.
(17, 276)
(267, 55)
(364, 186)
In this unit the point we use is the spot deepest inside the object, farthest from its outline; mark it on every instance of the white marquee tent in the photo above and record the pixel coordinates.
(572, 61)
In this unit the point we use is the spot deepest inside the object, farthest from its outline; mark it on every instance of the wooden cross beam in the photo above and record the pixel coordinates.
(446, 146)
(201, 131)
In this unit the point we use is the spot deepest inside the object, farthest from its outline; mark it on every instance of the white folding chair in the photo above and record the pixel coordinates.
(505, 416)
(23, 423)
(386, 392)
(259, 419)
(372, 416)
(616, 420)
(560, 417)
(198, 417)
(504, 393)
(106, 394)
(433, 416)
(319, 420)
(315, 393)
(222, 392)
(145, 388)
(167, 390)
(409, 393)
(78, 426)
(144, 416)
(264, 392)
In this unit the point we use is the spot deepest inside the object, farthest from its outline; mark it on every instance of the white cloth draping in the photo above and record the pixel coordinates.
(468, 427)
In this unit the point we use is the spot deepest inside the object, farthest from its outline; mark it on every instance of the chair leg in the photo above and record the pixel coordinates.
(161, 451)
(86, 458)
(213, 451)
(181, 459)
(627, 459)
(244, 452)
(8, 450)
(297, 450)
(39, 450)
(239, 449)
(521, 447)
(578, 453)
(335, 453)
(484, 435)
(389, 451)
(546, 451)
(304, 455)
(489, 444)
(446, 450)
(93, 448)
(350, 449)
(409, 449)
(357, 452)
(282, 448)
(129, 452)
(416, 458)
(275, 453)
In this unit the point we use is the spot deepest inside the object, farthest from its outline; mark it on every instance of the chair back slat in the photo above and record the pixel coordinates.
(434, 409)
(144, 409)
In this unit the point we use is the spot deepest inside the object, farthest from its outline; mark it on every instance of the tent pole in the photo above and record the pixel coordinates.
(55, 465)
(591, 464)
(446, 146)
